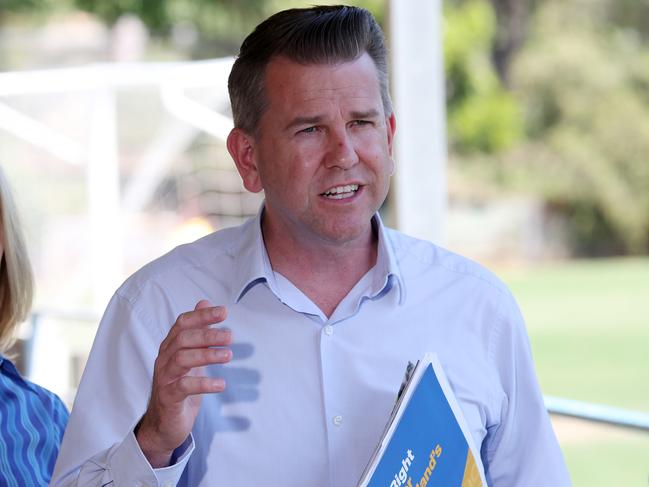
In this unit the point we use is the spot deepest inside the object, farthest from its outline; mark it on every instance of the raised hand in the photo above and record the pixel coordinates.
(179, 380)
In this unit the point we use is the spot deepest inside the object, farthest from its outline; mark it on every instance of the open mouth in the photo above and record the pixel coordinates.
(341, 192)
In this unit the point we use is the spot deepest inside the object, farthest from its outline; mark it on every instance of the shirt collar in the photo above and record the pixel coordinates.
(7, 367)
(387, 272)
(254, 267)
(252, 260)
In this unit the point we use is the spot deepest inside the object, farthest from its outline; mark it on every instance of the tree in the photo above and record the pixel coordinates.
(512, 20)
(219, 25)
(160, 15)
(483, 116)
(579, 86)
(584, 85)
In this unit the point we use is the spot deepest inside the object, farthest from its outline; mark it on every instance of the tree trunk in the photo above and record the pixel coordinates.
(512, 21)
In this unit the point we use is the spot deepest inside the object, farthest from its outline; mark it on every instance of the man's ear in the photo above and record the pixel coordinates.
(241, 148)
(391, 125)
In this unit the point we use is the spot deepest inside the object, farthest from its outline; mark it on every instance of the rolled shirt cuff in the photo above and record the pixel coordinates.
(130, 466)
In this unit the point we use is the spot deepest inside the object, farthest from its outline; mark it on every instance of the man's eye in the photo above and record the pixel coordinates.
(360, 123)
(309, 130)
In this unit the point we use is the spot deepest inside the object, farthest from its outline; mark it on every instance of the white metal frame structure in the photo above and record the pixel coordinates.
(99, 154)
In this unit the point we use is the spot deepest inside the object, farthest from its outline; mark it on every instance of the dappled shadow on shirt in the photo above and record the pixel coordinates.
(242, 385)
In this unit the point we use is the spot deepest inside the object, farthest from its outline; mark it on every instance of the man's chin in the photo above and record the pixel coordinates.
(346, 232)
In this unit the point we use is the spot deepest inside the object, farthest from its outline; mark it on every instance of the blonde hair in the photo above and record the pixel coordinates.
(16, 280)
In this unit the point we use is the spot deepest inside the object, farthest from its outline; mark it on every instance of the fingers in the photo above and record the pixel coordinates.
(190, 385)
(202, 338)
(186, 359)
(191, 344)
(193, 338)
(203, 315)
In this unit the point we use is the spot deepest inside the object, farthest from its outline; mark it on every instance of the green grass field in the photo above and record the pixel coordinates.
(589, 328)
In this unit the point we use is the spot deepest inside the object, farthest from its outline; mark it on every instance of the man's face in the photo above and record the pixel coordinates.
(322, 151)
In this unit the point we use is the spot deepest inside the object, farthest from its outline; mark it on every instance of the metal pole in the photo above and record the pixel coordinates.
(419, 98)
(597, 412)
(104, 200)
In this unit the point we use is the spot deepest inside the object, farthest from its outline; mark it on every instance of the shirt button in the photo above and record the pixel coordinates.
(338, 420)
(328, 330)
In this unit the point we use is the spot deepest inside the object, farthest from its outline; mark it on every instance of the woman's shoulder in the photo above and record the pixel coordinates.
(28, 393)
(32, 423)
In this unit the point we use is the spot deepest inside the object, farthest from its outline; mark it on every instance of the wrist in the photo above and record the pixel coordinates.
(156, 456)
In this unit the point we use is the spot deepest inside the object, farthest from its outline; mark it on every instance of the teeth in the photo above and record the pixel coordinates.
(340, 192)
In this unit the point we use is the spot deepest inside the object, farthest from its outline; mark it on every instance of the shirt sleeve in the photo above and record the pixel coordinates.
(125, 464)
(521, 447)
(99, 446)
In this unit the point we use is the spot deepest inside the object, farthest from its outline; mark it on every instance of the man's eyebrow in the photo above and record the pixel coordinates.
(371, 113)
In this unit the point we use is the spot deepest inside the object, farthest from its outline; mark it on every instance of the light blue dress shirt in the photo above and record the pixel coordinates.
(308, 397)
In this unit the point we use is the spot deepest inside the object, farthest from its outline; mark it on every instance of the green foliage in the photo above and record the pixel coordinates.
(161, 15)
(482, 116)
(155, 14)
(220, 25)
(584, 89)
(489, 122)
(631, 15)
(18, 5)
(580, 89)
(34, 9)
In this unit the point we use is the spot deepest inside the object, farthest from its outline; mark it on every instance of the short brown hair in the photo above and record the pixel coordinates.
(316, 35)
(16, 281)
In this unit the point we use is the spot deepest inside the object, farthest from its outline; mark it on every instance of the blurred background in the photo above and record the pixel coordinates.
(112, 121)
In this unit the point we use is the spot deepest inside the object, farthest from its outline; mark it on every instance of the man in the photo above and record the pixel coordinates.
(321, 305)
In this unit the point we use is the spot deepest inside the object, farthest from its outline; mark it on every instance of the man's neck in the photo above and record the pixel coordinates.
(324, 271)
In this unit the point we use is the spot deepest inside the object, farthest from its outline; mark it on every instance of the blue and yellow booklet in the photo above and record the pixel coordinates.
(427, 441)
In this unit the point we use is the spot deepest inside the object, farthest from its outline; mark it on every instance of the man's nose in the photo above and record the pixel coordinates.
(342, 151)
